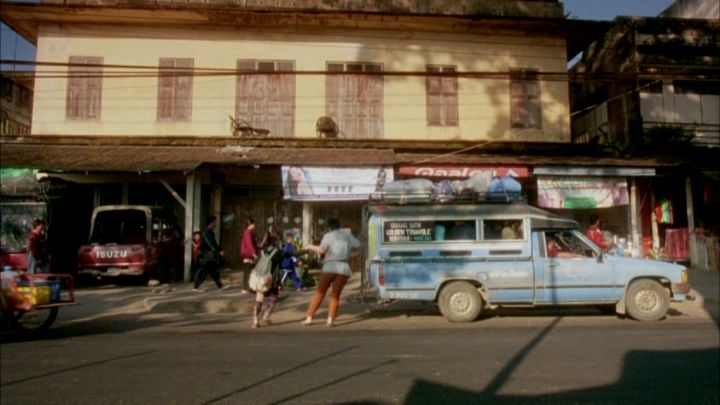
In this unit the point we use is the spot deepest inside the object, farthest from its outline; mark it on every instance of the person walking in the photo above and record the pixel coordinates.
(196, 242)
(249, 252)
(38, 257)
(265, 282)
(336, 247)
(210, 254)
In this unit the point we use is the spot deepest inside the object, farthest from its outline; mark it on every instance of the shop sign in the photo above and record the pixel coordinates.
(303, 183)
(461, 171)
(582, 192)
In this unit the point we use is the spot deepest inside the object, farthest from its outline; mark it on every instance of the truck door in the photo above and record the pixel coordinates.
(567, 270)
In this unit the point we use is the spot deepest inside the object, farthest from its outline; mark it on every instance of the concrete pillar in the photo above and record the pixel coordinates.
(307, 222)
(635, 223)
(217, 210)
(190, 181)
(125, 193)
(653, 222)
(691, 222)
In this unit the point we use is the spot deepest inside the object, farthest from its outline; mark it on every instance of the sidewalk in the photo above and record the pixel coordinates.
(180, 299)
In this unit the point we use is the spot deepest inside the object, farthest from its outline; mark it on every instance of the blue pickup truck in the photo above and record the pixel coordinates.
(467, 257)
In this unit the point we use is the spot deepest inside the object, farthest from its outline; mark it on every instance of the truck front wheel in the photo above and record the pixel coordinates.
(460, 301)
(647, 300)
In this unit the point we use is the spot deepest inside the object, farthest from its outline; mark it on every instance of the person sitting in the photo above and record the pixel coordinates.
(555, 249)
(461, 231)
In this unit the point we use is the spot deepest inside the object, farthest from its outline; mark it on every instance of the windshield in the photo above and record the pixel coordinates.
(120, 226)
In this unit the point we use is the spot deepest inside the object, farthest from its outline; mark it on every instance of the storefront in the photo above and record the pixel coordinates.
(613, 194)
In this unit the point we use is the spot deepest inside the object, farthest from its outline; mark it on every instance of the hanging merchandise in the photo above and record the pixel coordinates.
(664, 211)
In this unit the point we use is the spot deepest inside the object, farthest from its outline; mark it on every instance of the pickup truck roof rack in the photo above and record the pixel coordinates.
(420, 198)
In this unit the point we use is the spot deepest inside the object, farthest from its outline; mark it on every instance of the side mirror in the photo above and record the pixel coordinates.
(600, 257)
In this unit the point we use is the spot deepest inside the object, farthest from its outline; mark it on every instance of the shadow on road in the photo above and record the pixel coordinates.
(695, 380)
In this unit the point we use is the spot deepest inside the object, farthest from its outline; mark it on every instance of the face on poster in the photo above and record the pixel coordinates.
(305, 183)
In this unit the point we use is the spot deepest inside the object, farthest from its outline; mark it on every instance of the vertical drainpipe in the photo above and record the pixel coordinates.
(190, 180)
(690, 217)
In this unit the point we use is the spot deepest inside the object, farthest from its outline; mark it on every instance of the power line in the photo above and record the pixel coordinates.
(146, 71)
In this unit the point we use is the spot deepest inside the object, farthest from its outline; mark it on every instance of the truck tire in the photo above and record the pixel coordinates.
(459, 301)
(647, 300)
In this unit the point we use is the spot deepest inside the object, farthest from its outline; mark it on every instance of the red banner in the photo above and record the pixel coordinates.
(461, 171)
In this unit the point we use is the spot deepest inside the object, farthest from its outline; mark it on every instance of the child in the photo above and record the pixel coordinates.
(265, 284)
(288, 263)
(196, 244)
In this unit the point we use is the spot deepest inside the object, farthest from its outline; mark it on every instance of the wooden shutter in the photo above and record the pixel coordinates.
(84, 95)
(165, 89)
(434, 99)
(175, 83)
(183, 90)
(75, 88)
(450, 98)
(525, 110)
(355, 102)
(442, 98)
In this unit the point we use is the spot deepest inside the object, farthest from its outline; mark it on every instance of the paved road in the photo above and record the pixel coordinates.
(208, 359)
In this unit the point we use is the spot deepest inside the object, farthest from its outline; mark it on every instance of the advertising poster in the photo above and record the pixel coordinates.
(582, 192)
(303, 183)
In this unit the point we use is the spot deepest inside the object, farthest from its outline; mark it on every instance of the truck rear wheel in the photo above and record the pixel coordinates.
(459, 301)
(647, 300)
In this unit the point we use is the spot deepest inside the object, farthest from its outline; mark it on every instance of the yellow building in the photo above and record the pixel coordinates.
(224, 94)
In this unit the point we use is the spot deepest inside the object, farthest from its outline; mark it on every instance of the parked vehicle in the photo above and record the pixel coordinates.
(16, 220)
(133, 240)
(466, 257)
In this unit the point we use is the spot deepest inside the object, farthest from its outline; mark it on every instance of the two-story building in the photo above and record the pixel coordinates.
(222, 107)
(656, 91)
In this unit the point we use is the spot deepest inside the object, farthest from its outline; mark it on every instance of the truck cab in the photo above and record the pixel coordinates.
(134, 240)
(466, 257)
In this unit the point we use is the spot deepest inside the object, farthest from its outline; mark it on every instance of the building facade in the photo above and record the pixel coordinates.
(217, 107)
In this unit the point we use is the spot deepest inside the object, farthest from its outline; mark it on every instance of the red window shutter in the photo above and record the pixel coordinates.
(84, 94)
(184, 87)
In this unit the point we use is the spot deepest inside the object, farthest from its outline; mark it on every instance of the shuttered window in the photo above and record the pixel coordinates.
(84, 93)
(175, 85)
(442, 96)
(525, 110)
(265, 98)
(355, 101)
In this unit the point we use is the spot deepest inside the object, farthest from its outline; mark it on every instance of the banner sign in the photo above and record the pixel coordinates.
(462, 171)
(582, 192)
(302, 183)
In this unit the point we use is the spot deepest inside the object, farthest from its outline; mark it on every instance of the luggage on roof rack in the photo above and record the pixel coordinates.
(423, 191)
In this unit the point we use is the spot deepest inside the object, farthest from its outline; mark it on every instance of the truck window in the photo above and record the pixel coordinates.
(503, 229)
(409, 231)
(121, 227)
(566, 244)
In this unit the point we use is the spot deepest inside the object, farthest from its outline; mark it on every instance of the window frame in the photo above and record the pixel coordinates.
(355, 98)
(525, 100)
(246, 101)
(175, 90)
(441, 96)
(83, 100)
